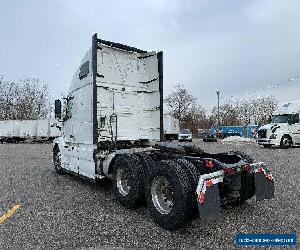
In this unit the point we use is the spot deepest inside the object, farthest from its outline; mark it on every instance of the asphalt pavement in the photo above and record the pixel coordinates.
(65, 212)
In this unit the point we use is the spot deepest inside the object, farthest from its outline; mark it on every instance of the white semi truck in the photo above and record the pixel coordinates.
(113, 128)
(284, 129)
(21, 130)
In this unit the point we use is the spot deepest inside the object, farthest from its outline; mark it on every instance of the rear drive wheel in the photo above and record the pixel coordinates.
(286, 142)
(57, 161)
(168, 194)
(194, 175)
(128, 180)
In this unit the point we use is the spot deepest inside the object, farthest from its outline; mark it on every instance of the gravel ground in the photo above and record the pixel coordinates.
(64, 212)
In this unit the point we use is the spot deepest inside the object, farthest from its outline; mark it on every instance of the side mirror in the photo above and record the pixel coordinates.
(290, 122)
(269, 119)
(57, 109)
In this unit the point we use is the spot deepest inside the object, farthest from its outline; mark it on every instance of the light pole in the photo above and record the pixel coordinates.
(218, 94)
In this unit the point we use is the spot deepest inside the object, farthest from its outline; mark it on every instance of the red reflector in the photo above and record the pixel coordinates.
(269, 177)
(246, 168)
(260, 170)
(209, 163)
(201, 197)
(209, 183)
(229, 170)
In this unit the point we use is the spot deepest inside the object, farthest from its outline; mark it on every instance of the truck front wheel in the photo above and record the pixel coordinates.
(168, 194)
(128, 180)
(286, 142)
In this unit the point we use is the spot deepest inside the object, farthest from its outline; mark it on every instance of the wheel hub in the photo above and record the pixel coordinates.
(162, 196)
(286, 142)
(122, 181)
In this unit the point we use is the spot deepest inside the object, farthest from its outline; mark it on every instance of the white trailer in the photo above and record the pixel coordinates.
(284, 129)
(113, 128)
(171, 127)
(37, 130)
(28, 129)
(9, 131)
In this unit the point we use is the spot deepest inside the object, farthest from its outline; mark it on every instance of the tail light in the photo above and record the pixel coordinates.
(246, 168)
(209, 163)
(229, 170)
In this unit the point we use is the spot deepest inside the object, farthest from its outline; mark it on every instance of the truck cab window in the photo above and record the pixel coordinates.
(84, 70)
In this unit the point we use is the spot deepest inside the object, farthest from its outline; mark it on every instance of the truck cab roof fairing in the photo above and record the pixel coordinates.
(86, 79)
(116, 73)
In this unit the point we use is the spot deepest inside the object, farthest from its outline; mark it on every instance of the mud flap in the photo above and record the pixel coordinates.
(264, 184)
(209, 204)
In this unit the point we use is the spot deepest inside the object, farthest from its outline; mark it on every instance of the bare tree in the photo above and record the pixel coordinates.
(180, 102)
(252, 111)
(229, 115)
(8, 101)
(195, 119)
(268, 105)
(183, 106)
(24, 100)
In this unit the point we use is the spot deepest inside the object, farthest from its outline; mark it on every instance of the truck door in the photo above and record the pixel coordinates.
(68, 132)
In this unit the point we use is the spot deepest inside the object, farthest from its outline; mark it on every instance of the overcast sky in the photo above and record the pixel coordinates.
(235, 46)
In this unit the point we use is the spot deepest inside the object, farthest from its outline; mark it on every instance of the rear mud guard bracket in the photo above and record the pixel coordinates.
(209, 204)
(264, 183)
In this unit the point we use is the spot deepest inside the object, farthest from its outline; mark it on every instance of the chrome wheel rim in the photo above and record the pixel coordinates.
(286, 142)
(162, 196)
(122, 181)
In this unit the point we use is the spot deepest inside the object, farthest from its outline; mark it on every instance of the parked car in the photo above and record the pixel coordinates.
(2, 139)
(201, 133)
(209, 136)
(185, 135)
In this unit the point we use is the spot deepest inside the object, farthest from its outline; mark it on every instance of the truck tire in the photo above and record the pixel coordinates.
(286, 142)
(193, 171)
(194, 175)
(244, 156)
(57, 161)
(168, 194)
(147, 161)
(267, 146)
(128, 180)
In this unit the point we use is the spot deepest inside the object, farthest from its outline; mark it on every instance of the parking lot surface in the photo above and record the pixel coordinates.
(64, 212)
